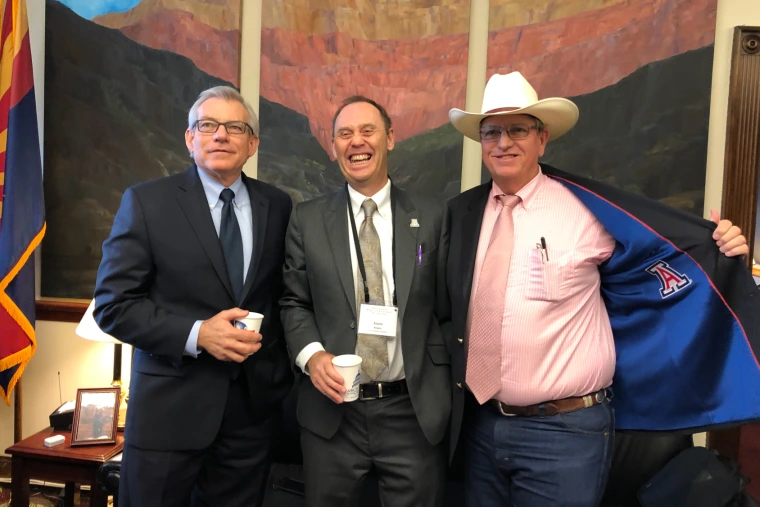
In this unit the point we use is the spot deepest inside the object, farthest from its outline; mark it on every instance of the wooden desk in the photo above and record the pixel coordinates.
(30, 459)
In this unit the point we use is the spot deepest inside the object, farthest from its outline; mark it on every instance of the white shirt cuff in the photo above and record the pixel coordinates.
(191, 346)
(303, 357)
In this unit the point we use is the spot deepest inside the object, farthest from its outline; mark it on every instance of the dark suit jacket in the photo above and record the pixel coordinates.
(163, 269)
(707, 329)
(319, 303)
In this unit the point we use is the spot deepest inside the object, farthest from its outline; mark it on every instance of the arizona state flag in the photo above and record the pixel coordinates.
(22, 214)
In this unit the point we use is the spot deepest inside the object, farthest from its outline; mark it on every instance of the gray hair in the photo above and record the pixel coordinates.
(226, 93)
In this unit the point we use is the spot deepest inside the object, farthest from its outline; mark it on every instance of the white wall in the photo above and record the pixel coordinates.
(36, 12)
(250, 61)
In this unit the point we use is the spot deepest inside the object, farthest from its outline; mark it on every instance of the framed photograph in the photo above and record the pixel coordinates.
(95, 416)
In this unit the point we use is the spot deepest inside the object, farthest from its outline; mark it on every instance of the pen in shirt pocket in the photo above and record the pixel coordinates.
(419, 254)
(541, 247)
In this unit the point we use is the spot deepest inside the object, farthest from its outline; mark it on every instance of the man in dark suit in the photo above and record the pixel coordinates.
(188, 255)
(397, 425)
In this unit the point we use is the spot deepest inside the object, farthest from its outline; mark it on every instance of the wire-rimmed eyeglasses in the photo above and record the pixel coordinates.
(514, 131)
(232, 127)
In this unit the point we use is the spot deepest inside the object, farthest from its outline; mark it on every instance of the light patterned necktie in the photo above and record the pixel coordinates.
(373, 349)
(483, 375)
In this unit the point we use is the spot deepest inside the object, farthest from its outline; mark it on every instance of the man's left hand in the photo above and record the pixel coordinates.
(728, 237)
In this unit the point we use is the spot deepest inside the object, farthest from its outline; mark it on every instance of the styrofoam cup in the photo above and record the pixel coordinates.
(348, 366)
(252, 322)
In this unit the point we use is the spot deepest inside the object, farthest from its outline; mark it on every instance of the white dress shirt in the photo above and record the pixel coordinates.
(383, 221)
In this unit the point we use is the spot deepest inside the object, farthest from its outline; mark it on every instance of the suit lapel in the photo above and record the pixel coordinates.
(406, 244)
(259, 212)
(336, 228)
(192, 200)
(471, 224)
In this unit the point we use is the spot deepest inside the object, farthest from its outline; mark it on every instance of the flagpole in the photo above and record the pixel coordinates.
(17, 412)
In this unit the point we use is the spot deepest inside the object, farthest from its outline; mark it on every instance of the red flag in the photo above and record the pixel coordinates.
(22, 213)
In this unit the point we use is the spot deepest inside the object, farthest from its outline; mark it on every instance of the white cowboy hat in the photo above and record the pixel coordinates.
(508, 94)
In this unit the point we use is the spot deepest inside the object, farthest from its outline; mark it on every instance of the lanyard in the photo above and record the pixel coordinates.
(357, 247)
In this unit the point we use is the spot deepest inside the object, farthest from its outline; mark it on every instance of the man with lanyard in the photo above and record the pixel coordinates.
(369, 247)
(557, 284)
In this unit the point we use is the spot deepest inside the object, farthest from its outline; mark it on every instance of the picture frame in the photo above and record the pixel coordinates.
(96, 415)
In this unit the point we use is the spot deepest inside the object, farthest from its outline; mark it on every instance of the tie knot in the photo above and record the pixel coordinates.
(509, 201)
(369, 206)
(227, 195)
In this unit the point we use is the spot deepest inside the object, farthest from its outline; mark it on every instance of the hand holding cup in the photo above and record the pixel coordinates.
(347, 366)
(220, 338)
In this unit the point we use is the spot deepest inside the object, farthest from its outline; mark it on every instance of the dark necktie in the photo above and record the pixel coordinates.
(232, 243)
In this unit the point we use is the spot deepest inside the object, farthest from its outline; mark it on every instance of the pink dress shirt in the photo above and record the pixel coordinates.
(556, 335)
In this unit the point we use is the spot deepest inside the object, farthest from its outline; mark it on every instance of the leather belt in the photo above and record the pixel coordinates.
(378, 390)
(549, 408)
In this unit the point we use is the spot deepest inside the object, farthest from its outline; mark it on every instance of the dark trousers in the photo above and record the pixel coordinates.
(230, 472)
(383, 435)
(561, 460)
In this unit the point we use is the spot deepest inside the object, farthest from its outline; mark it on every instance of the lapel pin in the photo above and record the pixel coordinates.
(414, 223)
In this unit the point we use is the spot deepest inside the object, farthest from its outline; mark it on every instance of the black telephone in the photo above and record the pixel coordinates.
(63, 417)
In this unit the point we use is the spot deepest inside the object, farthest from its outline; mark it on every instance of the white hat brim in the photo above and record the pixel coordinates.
(557, 114)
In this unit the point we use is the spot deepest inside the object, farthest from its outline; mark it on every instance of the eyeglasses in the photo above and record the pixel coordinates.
(365, 132)
(235, 128)
(515, 131)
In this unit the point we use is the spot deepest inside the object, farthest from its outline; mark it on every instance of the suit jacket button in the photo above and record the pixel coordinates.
(352, 325)
(459, 385)
(460, 340)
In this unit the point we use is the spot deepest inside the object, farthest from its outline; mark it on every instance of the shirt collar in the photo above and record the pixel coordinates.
(213, 188)
(382, 198)
(526, 193)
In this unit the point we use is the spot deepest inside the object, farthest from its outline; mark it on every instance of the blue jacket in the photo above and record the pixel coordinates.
(685, 318)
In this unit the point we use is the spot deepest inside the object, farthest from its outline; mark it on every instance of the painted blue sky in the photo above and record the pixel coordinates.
(90, 8)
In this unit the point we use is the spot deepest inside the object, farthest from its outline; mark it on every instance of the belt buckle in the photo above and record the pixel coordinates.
(501, 410)
(598, 397)
(365, 398)
(370, 398)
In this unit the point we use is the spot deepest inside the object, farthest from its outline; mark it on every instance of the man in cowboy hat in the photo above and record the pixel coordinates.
(558, 283)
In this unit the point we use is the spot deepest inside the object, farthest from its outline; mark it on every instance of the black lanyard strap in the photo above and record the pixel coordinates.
(357, 247)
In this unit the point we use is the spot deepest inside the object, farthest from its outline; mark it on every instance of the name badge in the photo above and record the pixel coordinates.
(378, 320)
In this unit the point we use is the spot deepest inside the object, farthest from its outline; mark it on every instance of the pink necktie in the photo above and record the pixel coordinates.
(483, 375)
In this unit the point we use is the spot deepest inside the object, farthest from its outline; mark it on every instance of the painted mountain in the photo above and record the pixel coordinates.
(640, 72)
(116, 110)
(205, 31)
(411, 57)
(115, 115)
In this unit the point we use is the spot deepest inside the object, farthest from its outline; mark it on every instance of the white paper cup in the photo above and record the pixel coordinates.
(348, 366)
(252, 322)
